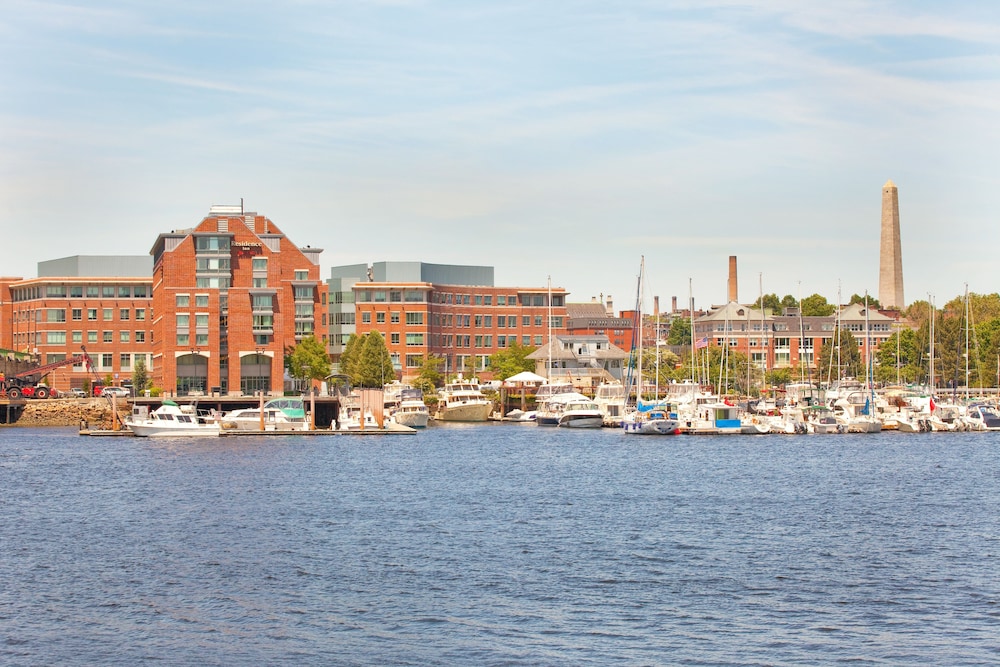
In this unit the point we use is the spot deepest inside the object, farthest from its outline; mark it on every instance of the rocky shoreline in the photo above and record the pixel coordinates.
(92, 412)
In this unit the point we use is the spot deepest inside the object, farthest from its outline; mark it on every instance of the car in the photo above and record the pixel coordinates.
(76, 392)
(116, 392)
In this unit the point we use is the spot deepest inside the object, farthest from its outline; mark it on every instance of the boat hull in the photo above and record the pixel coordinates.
(466, 412)
(411, 419)
(582, 421)
(652, 427)
(157, 431)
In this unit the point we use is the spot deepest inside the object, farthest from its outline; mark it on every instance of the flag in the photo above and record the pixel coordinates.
(933, 407)
(701, 343)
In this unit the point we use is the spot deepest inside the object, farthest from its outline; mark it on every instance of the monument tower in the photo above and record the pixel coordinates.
(890, 269)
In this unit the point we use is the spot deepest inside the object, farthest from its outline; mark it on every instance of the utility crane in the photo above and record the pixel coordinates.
(26, 383)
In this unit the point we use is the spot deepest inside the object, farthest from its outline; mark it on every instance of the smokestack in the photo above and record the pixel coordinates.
(610, 307)
(733, 293)
(673, 304)
(656, 306)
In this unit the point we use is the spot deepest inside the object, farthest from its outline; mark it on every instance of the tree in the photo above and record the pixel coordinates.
(140, 377)
(349, 357)
(910, 358)
(789, 301)
(816, 305)
(374, 365)
(769, 302)
(680, 332)
(429, 377)
(859, 298)
(309, 360)
(848, 361)
(511, 361)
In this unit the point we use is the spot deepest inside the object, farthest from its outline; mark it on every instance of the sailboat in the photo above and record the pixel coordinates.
(645, 418)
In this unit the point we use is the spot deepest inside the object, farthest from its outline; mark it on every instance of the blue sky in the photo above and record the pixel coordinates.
(561, 139)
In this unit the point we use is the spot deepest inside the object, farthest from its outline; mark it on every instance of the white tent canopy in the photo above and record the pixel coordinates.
(525, 377)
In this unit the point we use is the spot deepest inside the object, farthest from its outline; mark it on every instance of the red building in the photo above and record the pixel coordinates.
(101, 303)
(230, 296)
(452, 312)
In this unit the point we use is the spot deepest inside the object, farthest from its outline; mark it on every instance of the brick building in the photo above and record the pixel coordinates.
(230, 296)
(453, 312)
(102, 303)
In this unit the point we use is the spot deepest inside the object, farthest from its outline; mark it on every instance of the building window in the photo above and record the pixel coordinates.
(414, 296)
(77, 314)
(92, 314)
(76, 292)
(201, 301)
(263, 323)
(183, 340)
(124, 292)
(501, 341)
(124, 336)
(140, 314)
(538, 320)
(219, 244)
(395, 296)
(123, 314)
(201, 320)
(538, 340)
(125, 361)
(77, 336)
(55, 315)
(259, 264)
(139, 292)
(394, 338)
(92, 292)
(55, 337)
(414, 339)
(201, 339)
(108, 292)
(183, 320)
(415, 318)
(140, 336)
(366, 318)
(525, 340)
(414, 360)
(106, 360)
(108, 336)
(379, 318)
(108, 314)
(301, 275)
(91, 336)
(394, 317)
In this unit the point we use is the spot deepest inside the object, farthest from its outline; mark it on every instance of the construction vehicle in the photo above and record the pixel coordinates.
(27, 383)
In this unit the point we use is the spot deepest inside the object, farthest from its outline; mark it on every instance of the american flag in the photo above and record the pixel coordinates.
(701, 343)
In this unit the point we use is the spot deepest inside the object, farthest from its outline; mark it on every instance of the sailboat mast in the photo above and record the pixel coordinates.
(691, 313)
(548, 365)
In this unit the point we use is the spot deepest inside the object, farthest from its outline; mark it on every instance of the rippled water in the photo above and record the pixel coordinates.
(500, 545)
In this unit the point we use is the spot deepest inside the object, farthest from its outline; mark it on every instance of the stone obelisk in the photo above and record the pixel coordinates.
(890, 267)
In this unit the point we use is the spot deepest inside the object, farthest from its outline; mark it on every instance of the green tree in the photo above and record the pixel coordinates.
(349, 357)
(511, 361)
(860, 298)
(789, 301)
(680, 332)
(769, 302)
(429, 377)
(910, 357)
(374, 365)
(848, 361)
(817, 305)
(779, 377)
(140, 376)
(309, 360)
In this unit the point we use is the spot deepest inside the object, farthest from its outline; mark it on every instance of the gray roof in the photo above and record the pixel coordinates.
(103, 266)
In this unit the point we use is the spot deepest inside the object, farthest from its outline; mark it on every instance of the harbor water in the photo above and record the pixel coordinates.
(500, 545)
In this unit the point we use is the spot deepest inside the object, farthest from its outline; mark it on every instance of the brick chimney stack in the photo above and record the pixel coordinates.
(733, 293)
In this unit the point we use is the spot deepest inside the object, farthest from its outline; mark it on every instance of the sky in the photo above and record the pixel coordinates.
(555, 141)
